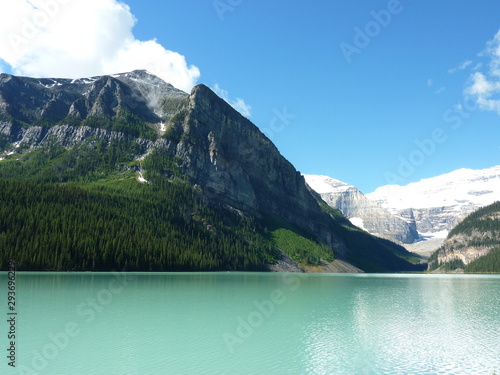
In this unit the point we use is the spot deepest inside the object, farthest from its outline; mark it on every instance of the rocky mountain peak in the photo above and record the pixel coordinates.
(162, 98)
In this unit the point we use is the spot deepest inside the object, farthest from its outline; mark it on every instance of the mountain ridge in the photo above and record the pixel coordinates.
(431, 208)
(109, 126)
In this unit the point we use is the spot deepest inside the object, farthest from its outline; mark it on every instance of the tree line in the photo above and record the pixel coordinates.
(82, 209)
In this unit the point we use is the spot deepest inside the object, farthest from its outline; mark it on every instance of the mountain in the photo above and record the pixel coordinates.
(473, 245)
(32, 111)
(182, 182)
(361, 211)
(438, 204)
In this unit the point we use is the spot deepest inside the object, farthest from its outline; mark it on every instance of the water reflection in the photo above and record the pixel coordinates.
(404, 325)
(323, 324)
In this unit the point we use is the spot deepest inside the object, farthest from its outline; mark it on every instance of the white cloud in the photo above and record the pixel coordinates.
(238, 104)
(480, 86)
(462, 66)
(430, 82)
(478, 66)
(81, 38)
(493, 51)
(484, 87)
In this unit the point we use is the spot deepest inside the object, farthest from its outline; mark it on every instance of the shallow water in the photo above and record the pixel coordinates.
(253, 323)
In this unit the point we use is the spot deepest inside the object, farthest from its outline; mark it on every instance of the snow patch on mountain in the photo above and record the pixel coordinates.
(442, 234)
(141, 178)
(325, 184)
(357, 221)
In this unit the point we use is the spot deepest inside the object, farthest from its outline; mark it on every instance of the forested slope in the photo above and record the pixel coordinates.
(473, 245)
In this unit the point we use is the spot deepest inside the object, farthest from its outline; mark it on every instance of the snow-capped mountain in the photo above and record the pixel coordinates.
(361, 211)
(438, 204)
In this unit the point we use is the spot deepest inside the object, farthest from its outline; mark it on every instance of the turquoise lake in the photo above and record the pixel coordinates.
(252, 323)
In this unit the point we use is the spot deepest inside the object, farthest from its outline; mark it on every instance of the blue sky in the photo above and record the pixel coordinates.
(368, 92)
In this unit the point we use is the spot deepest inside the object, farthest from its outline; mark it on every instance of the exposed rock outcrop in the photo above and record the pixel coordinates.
(475, 237)
(363, 212)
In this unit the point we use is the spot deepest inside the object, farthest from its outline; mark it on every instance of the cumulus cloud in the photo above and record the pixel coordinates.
(81, 38)
(484, 87)
(238, 104)
(493, 52)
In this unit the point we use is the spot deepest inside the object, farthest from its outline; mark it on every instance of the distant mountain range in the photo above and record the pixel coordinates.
(438, 204)
(125, 170)
(428, 209)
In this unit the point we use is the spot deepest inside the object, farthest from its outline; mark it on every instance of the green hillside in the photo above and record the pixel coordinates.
(84, 209)
(74, 210)
(479, 232)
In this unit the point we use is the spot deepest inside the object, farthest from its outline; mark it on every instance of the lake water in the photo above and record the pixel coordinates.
(244, 323)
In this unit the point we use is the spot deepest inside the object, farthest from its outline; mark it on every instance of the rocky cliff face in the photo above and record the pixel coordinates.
(457, 248)
(226, 153)
(363, 212)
